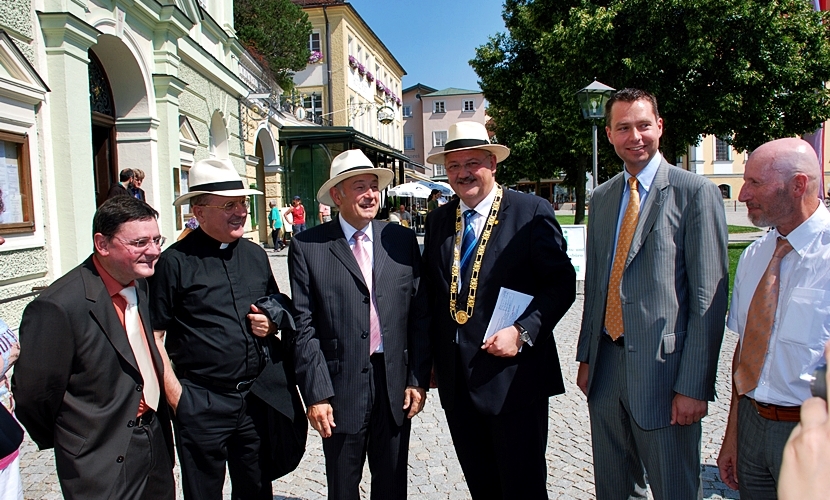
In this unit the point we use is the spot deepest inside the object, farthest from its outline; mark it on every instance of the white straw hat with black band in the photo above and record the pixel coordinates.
(469, 135)
(214, 176)
(347, 164)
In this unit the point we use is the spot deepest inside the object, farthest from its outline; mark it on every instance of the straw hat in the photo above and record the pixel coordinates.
(349, 164)
(469, 135)
(214, 176)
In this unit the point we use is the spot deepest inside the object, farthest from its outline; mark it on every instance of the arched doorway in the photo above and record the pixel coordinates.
(104, 152)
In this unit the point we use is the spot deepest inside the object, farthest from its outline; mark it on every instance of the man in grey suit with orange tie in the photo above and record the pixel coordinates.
(653, 319)
(361, 352)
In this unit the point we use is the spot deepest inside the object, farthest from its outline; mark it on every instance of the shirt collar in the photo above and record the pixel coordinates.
(112, 285)
(646, 176)
(804, 235)
(349, 231)
(484, 206)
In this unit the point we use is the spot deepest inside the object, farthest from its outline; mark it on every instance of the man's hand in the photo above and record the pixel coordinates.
(686, 410)
(804, 471)
(172, 386)
(321, 416)
(414, 399)
(728, 458)
(582, 378)
(261, 326)
(504, 343)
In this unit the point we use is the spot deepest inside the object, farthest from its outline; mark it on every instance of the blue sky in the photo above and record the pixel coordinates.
(434, 39)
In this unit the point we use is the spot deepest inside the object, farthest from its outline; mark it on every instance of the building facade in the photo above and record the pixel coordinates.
(413, 122)
(91, 87)
(441, 109)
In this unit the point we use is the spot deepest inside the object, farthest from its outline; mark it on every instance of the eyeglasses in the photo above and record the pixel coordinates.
(143, 243)
(230, 207)
(471, 165)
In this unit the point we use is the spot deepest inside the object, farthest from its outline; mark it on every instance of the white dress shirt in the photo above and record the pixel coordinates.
(802, 320)
(368, 246)
(644, 181)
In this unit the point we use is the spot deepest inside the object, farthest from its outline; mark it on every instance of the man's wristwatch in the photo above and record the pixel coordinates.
(523, 335)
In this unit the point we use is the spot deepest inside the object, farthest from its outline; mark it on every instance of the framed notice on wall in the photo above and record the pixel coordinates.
(15, 184)
(575, 236)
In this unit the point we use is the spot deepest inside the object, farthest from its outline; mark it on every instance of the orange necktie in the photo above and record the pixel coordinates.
(613, 304)
(759, 320)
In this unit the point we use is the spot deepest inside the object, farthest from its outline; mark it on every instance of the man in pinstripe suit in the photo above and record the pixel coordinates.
(648, 356)
(361, 351)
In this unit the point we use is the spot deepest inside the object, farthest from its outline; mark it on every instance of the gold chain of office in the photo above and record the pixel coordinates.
(462, 317)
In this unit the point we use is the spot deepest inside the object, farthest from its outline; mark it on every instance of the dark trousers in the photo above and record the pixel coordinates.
(386, 444)
(760, 452)
(148, 471)
(502, 456)
(214, 429)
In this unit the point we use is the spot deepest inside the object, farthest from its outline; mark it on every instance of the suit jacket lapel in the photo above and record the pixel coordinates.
(341, 250)
(104, 313)
(649, 213)
(607, 213)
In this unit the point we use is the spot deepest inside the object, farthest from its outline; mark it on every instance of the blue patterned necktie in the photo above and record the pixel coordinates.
(468, 241)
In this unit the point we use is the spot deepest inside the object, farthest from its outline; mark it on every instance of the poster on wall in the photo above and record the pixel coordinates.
(575, 237)
(10, 184)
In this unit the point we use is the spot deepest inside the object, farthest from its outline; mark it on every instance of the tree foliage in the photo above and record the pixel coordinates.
(747, 71)
(278, 32)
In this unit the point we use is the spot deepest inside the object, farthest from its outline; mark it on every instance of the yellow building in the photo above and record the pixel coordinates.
(351, 88)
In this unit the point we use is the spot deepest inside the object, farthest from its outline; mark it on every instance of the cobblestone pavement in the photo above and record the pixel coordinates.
(434, 472)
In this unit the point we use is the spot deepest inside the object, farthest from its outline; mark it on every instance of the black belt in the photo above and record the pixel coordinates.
(217, 385)
(619, 342)
(145, 418)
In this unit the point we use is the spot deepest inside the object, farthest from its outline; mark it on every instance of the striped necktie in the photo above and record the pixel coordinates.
(468, 241)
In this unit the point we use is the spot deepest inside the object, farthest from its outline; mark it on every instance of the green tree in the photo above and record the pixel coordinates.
(747, 71)
(277, 32)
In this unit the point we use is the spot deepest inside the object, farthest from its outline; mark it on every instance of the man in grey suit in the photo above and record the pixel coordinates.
(653, 319)
(361, 352)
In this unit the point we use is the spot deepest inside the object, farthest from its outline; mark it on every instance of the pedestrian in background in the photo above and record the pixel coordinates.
(275, 221)
(653, 318)
(297, 215)
(781, 310)
(324, 213)
(11, 486)
(135, 185)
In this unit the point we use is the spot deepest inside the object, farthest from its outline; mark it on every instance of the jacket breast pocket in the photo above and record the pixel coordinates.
(70, 442)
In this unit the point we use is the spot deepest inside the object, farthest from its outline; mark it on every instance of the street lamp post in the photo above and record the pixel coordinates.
(592, 100)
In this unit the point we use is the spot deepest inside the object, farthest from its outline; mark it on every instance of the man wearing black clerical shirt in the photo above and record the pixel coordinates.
(202, 300)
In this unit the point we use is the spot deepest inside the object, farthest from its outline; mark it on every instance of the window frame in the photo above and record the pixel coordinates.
(24, 175)
(472, 104)
(438, 169)
(411, 145)
(311, 42)
(435, 142)
(439, 104)
(406, 111)
(719, 141)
